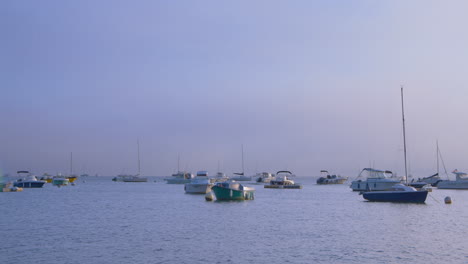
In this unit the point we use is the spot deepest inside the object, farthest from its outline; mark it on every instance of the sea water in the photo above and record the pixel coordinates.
(100, 221)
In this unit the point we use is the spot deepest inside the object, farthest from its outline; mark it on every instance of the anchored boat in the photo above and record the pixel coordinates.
(282, 180)
(232, 190)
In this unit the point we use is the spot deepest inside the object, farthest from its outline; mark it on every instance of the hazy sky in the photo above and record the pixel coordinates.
(303, 85)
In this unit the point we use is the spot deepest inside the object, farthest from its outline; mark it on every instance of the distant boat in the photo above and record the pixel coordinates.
(374, 180)
(8, 187)
(132, 178)
(264, 177)
(199, 185)
(460, 182)
(181, 177)
(433, 180)
(232, 190)
(220, 177)
(239, 176)
(330, 179)
(28, 181)
(60, 180)
(282, 180)
(46, 177)
(399, 193)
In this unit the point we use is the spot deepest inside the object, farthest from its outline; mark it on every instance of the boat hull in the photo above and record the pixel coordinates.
(324, 181)
(272, 186)
(227, 194)
(460, 185)
(198, 188)
(29, 184)
(396, 197)
(177, 181)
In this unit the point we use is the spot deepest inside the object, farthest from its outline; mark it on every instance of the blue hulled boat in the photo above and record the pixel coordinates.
(30, 181)
(398, 194)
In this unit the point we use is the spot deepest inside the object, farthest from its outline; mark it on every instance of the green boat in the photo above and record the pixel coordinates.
(227, 191)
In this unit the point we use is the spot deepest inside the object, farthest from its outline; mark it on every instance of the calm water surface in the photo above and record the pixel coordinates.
(100, 221)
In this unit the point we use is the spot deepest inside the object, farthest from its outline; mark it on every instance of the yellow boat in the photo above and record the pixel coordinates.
(72, 178)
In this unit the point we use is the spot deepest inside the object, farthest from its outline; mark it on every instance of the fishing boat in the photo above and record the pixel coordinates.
(460, 182)
(326, 178)
(263, 177)
(132, 178)
(28, 181)
(283, 180)
(375, 180)
(199, 185)
(399, 193)
(232, 190)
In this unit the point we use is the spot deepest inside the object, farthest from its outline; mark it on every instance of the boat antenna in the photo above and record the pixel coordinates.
(404, 134)
(138, 148)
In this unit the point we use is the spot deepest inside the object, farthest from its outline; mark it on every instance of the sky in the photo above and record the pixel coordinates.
(299, 85)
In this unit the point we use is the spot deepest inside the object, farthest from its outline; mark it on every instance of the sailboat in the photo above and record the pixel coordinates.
(181, 177)
(239, 176)
(132, 178)
(399, 193)
(434, 179)
(72, 176)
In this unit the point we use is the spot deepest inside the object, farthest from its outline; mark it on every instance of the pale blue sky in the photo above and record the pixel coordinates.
(304, 85)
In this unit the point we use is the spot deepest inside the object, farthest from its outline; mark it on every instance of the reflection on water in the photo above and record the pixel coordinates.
(100, 221)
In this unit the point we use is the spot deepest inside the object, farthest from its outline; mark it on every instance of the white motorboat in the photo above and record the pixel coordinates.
(326, 178)
(282, 180)
(200, 184)
(460, 182)
(374, 180)
(264, 177)
(28, 181)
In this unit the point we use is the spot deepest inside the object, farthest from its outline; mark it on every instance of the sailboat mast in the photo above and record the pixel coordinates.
(242, 159)
(404, 133)
(138, 147)
(437, 143)
(71, 163)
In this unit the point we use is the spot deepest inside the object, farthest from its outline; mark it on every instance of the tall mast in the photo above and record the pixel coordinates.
(242, 159)
(71, 163)
(178, 163)
(437, 143)
(404, 133)
(138, 147)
